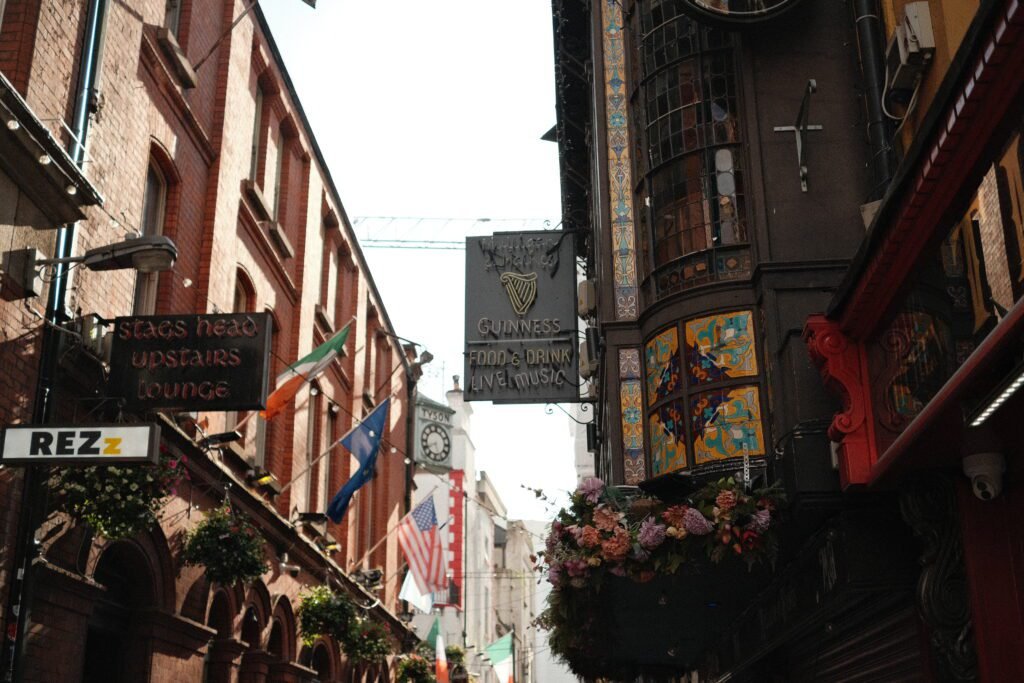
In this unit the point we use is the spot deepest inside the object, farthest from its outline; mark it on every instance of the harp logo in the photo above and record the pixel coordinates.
(521, 290)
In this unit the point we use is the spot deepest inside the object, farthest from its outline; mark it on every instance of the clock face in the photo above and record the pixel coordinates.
(737, 12)
(435, 442)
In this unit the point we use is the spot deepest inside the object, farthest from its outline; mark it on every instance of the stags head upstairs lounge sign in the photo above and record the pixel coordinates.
(521, 318)
(192, 362)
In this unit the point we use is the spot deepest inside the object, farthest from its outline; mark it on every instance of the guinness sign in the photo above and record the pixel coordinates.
(521, 318)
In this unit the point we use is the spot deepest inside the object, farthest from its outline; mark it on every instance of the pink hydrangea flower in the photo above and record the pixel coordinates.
(591, 489)
(761, 520)
(651, 534)
(696, 523)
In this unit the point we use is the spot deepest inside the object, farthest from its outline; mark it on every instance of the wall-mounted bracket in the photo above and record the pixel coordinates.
(801, 128)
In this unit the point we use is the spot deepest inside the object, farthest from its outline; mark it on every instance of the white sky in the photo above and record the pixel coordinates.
(435, 109)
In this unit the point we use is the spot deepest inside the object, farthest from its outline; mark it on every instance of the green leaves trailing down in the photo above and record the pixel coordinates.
(118, 501)
(322, 612)
(415, 669)
(228, 546)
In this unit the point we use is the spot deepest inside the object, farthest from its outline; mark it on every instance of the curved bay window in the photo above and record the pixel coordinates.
(686, 108)
(703, 395)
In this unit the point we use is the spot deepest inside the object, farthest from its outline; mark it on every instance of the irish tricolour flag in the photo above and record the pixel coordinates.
(502, 655)
(302, 371)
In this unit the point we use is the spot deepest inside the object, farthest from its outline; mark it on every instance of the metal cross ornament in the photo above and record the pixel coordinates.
(800, 128)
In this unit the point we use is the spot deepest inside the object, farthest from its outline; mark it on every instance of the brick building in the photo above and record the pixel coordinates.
(152, 117)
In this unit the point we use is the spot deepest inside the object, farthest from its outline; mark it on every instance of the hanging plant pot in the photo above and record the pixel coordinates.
(118, 501)
(415, 669)
(367, 642)
(228, 546)
(322, 612)
(609, 542)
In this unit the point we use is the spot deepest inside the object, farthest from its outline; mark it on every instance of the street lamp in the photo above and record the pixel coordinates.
(149, 254)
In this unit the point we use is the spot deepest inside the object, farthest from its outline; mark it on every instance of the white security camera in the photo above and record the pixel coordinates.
(286, 567)
(985, 470)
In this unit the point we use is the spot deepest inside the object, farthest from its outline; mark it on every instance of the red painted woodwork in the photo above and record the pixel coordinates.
(993, 555)
(843, 366)
(986, 95)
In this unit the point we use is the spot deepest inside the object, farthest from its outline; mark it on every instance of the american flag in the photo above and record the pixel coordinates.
(419, 539)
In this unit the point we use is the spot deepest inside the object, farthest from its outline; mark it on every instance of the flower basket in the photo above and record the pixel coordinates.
(605, 534)
(415, 669)
(322, 612)
(366, 641)
(455, 656)
(228, 546)
(118, 501)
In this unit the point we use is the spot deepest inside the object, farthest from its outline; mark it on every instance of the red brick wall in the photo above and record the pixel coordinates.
(201, 141)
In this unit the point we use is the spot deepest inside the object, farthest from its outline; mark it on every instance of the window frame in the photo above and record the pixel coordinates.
(152, 222)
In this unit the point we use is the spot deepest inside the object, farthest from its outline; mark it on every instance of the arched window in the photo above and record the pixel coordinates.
(154, 214)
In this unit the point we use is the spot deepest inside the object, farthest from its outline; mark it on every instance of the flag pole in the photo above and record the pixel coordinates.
(353, 563)
(311, 465)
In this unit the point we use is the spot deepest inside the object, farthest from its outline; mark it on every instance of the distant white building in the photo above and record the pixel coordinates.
(488, 556)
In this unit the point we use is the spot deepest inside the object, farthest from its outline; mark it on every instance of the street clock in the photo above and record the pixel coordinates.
(435, 443)
(433, 435)
(736, 13)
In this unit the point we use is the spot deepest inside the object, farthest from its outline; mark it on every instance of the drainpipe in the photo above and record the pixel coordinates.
(33, 497)
(871, 40)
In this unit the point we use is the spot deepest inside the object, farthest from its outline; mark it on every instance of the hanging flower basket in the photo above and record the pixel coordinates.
(118, 501)
(322, 612)
(455, 656)
(228, 546)
(367, 641)
(605, 533)
(415, 669)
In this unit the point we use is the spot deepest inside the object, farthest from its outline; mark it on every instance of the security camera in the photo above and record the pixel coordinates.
(286, 567)
(985, 470)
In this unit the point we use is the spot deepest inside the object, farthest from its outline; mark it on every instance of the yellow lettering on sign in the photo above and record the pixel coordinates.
(113, 446)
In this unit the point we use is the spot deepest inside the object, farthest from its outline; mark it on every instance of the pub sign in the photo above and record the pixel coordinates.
(194, 362)
(521, 318)
(82, 444)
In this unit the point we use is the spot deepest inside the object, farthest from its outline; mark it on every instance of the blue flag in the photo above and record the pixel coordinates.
(364, 443)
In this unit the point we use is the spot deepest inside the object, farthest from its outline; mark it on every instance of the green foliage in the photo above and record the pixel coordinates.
(455, 656)
(118, 501)
(366, 641)
(322, 612)
(228, 546)
(415, 669)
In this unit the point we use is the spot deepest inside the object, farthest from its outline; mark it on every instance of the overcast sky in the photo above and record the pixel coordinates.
(435, 110)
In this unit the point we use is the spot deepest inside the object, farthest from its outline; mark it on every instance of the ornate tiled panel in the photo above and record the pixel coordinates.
(668, 438)
(619, 170)
(631, 404)
(720, 347)
(663, 366)
(726, 424)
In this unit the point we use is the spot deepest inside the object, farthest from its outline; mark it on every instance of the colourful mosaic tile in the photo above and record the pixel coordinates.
(668, 438)
(619, 169)
(629, 363)
(663, 366)
(720, 347)
(726, 424)
(632, 431)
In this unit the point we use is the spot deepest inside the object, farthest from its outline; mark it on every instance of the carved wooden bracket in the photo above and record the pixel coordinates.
(843, 366)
